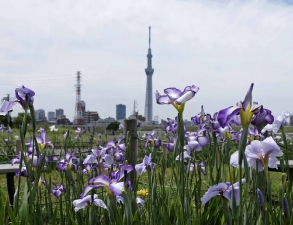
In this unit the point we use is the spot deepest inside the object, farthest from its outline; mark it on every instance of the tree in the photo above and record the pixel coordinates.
(17, 121)
(3, 120)
(113, 126)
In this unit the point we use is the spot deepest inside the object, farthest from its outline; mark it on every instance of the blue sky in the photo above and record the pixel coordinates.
(222, 47)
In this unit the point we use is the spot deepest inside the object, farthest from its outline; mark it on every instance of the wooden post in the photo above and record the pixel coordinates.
(18, 146)
(130, 129)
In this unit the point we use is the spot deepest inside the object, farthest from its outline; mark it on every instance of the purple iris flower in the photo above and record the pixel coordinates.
(153, 140)
(193, 146)
(115, 149)
(34, 161)
(111, 146)
(55, 158)
(17, 159)
(275, 126)
(66, 135)
(186, 156)
(253, 134)
(194, 165)
(237, 135)
(58, 190)
(24, 95)
(88, 200)
(226, 190)
(263, 116)
(42, 181)
(9, 130)
(42, 140)
(96, 156)
(264, 152)
(2, 127)
(260, 197)
(172, 125)
(146, 165)
(171, 144)
(112, 185)
(214, 121)
(201, 118)
(78, 130)
(245, 109)
(176, 97)
(69, 162)
(99, 157)
(78, 133)
(198, 136)
(139, 202)
(223, 133)
(7, 106)
(119, 157)
(285, 206)
(88, 168)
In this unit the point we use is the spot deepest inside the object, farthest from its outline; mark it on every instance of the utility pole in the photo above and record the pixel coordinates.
(8, 116)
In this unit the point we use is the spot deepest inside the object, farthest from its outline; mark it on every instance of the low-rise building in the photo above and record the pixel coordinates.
(62, 120)
(103, 122)
(91, 116)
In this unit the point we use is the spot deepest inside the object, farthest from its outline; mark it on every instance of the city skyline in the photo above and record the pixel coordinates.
(220, 46)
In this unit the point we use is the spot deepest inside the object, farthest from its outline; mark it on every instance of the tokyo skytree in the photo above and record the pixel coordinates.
(148, 111)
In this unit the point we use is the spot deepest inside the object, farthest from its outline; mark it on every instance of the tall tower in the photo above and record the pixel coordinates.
(148, 111)
(78, 103)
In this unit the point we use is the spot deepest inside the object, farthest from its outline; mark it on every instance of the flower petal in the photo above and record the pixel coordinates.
(234, 159)
(212, 192)
(163, 99)
(185, 97)
(117, 188)
(248, 98)
(100, 203)
(172, 93)
(270, 147)
(102, 179)
(140, 168)
(226, 115)
(203, 141)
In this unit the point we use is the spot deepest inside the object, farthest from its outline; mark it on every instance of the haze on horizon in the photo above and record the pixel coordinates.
(220, 46)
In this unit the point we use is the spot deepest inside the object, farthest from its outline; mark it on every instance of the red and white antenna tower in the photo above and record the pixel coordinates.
(78, 104)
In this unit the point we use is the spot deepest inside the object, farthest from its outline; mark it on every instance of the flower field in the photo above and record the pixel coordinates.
(215, 174)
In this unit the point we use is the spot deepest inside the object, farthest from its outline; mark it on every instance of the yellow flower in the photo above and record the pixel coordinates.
(143, 192)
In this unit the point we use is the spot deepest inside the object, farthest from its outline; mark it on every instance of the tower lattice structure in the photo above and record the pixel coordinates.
(79, 120)
(148, 112)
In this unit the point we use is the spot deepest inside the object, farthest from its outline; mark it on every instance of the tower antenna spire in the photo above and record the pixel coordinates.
(149, 37)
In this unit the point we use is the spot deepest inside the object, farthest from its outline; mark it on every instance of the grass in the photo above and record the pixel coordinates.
(143, 180)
